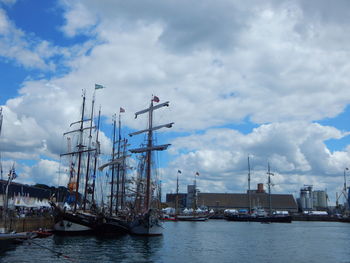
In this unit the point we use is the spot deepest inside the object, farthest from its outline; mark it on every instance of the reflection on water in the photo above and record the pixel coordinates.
(123, 248)
(211, 241)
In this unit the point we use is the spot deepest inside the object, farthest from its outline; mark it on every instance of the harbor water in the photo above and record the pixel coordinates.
(211, 241)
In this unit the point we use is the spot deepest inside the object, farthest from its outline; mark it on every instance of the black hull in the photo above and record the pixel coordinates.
(267, 219)
(97, 224)
(112, 226)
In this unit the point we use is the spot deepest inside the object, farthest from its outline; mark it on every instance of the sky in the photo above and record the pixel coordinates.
(266, 79)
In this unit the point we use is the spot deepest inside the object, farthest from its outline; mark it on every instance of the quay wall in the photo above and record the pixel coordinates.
(27, 223)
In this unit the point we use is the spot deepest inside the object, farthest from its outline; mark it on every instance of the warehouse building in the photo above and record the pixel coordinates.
(220, 201)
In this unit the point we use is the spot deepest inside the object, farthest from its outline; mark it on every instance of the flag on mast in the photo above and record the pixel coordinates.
(155, 99)
(197, 173)
(179, 171)
(121, 110)
(98, 86)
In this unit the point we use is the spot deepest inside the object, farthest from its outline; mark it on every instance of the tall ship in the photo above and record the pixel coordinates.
(146, 213)
(80, 213)
(257, 213)
(75, 216)
(195, 214)
(115, 220)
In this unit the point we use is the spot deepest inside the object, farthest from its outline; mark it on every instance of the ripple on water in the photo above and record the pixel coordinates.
(211, 241)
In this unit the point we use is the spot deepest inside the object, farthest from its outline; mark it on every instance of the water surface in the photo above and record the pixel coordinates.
(211, 241)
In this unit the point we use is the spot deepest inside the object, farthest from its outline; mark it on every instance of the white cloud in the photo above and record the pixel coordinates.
(45, 172)
(78, 18)
(295, 150)
(281, 65)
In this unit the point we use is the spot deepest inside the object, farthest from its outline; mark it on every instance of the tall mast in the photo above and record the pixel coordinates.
(249, 192)
(177, 194)
(123, 179)
(113, 153)
(80, 148)
(150, 147)
(269, 185)
(1, 171)
(149, 156)
(118, 165)
(96, 155)
(195, 193)
(88, 157)
(345, 182)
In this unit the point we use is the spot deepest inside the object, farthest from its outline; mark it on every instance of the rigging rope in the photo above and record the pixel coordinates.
(58, 254)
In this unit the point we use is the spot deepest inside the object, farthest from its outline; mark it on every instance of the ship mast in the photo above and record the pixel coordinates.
(88, 157)
(96, 156)
(123, 175)
(80, 147)
(113, 154)
(269, 185)
(1, 171)
(177, 194)
(249, 192)
(118, 166)
(150, 147)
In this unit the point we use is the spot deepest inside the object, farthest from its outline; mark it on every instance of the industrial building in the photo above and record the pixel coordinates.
(221, 201)
(312, 200)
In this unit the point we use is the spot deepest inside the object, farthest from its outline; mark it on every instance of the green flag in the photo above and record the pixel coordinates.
(97, 86)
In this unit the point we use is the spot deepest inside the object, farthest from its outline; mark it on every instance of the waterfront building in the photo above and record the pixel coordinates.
(239, 201)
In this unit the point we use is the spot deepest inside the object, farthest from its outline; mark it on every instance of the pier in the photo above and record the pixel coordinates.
(25, 224)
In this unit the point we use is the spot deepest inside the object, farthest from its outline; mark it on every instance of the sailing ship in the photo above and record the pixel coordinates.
(146, 215)
(75, 219)
(196, 214)
(83, 216)
(114, 221)
(258, 214)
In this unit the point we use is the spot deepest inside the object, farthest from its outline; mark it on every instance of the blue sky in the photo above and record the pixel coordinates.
(259, 78)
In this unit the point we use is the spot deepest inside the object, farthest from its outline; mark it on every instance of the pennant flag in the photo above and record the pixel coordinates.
(122, 109)
(197, 173)
(179, 171)
(12, 173)
(97, 86)
(155, 99)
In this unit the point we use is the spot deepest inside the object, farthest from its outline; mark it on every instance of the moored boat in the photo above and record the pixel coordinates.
(192, 218)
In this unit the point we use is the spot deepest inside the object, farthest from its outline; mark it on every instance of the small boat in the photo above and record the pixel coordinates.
(169, 218)
(42, 233)
(192, 218)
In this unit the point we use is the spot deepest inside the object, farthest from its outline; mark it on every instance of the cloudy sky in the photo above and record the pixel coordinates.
(268, 79)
